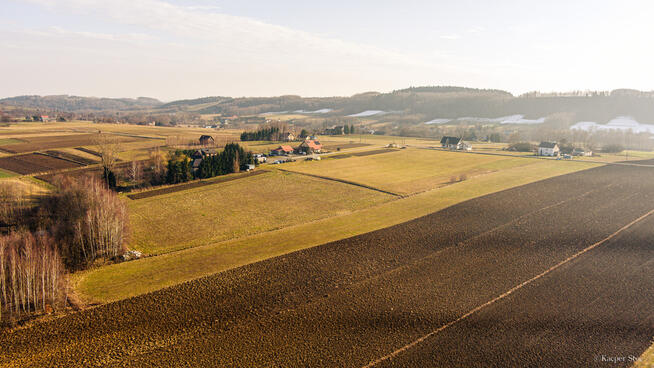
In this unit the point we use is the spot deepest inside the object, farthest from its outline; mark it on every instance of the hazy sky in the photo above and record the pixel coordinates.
(171, 49)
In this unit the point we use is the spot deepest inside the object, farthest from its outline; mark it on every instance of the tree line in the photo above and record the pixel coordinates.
(78, 223)
(263, 134)
(232, 159)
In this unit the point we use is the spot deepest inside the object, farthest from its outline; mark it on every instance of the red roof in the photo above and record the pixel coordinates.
(284, 148)
(313, 144)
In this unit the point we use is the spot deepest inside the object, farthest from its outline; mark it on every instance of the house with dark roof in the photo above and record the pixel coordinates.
(455, 143)
(202, 153)
(548, 149)
(196, 164)
(206, 140)
(310, 146)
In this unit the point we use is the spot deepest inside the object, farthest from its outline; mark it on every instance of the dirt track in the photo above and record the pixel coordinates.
(351, 302)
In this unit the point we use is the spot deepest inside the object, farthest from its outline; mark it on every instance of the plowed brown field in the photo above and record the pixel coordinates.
(35, 162)
(39, 143)
(352, 302)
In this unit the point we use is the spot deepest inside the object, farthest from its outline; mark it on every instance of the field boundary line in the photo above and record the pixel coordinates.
(192, 185)
(344, 182)
(505, 294)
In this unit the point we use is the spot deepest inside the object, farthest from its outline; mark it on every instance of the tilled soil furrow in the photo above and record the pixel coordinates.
(595, 311)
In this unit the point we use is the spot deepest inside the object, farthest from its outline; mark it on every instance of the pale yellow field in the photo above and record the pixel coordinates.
(407, 171)
(79, 153)
(240, 208)
(46, 129)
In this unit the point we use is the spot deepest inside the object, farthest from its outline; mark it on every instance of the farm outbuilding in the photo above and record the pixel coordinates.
(581, 152)
(206, 140)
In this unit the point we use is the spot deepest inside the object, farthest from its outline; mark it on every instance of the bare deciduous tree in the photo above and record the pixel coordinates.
(31, 275)
(108, 146)
(91, 221)
(135, 171)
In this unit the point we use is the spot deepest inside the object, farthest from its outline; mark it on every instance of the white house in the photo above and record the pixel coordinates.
(455, 143)
(548, 149)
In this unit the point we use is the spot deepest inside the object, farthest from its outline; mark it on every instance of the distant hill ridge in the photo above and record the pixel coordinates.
(76, 103)
(430, 102)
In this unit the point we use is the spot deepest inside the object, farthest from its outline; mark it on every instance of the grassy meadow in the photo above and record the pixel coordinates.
(407, 171)
(6, 174)
(240, 208)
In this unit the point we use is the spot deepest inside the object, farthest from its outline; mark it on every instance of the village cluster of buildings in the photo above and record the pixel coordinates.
(307, 147)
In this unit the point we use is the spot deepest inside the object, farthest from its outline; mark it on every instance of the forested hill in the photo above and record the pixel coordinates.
(65, 103)
(427, 102)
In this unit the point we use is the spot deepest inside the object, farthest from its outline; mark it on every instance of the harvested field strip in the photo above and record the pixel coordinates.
(9, 141)
(39, 143)
(221, 212)
(409, 171)
(136, 136)
(70, 157)
(362, 154)
(134, 278)
(89, 151)
(349, 302)
(6, 174)
(191, 185)
(34, 163)
(331, 146)
(342, 181)
(507, 293)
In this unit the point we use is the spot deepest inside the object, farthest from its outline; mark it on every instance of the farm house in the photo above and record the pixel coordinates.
(455, 143)
(282, 150)
(548, 149)
(310, 146)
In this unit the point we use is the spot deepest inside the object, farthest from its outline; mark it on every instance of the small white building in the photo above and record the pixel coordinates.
(581, 152)
(548, 149)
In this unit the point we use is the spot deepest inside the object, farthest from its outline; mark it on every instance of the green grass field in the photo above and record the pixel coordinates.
(240, 208)
(6, 174)
(128, 279)
(407, 171)
(8, 141)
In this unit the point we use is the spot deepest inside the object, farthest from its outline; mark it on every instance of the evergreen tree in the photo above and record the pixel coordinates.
(109, 178)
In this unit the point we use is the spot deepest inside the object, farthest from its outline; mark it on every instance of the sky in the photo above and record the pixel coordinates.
(176, 49)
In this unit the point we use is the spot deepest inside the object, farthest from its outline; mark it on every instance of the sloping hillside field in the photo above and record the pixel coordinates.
(558, 273)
